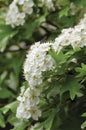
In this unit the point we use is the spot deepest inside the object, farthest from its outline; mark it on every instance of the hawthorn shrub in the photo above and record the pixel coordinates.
(42, 64)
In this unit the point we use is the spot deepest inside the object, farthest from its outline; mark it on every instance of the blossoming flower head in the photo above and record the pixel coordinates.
(39, 60)
(75, 37)
(29, 100)
(15, 17)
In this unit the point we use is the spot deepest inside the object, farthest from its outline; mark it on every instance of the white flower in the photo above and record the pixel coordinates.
(33, 96)
(13, 7)
(35, 113)
(14, 16)
(20, 19)
(22, 112)
(27, 7)
(75, 41)
(48, 3)
(11, 15)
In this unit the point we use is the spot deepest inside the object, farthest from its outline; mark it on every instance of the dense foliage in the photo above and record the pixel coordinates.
(55, 83)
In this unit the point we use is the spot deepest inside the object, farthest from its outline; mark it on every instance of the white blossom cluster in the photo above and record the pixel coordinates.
(29, 100)
(38, 61)
(76, 37)
(19, 8)
(17, 12)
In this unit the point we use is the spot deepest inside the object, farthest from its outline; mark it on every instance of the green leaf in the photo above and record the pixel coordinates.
(59, 58)
(83, 126)
(71, 85)
(47, 124)
(56, 123)
(67, 21)
(25, 84)
(12, 106)
(2, 121)
(5, 93)
(49, 121)
(64, 12)
(18, 124)
(17, 67)
(64, 2)
(81, 70)
(84, 114)
(2, 13)
(80, 3)
(6, 33)
(2, 77)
